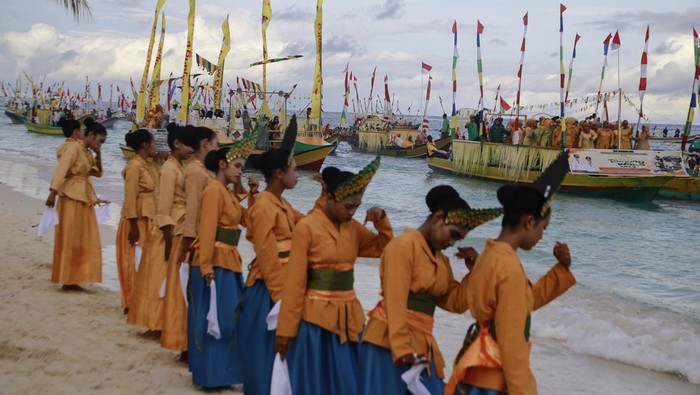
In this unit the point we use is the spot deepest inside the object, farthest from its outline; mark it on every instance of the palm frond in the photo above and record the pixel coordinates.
(79, 8)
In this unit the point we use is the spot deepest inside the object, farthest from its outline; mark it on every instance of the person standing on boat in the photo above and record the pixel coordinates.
(498, 132)
(216, 283)
(320, 318)
(433, 152)
(472, 129)
(138, 210)
(445, 129)
(627, 137)
(269, 224)
(587, 137)
(415, 278)
(495, 358)
(642, 141)
(77, 251)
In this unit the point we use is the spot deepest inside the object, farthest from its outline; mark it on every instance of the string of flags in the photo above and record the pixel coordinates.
(205, 65)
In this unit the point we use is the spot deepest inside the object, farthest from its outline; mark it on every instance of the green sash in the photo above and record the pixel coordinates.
(424, 302)
(330, 280)
(228, 236)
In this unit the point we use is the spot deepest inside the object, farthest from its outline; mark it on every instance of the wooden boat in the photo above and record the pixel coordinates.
(672, 139)
(333, 140)
(108, 123)
(526, 164)
(15, 118)
(682, 188)
(44, 126)
(379, 142)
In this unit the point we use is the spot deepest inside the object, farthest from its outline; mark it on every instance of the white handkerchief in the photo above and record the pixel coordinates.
(272, 317)
(161, 293)
(48, 219)
(212, 315)
(412, 379)
(137, 256)
(280, 377)
(184, 278)
(104, 212)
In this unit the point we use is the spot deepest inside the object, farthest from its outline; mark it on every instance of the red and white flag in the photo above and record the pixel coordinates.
(425, 68)
(504, 105)
(615, 41)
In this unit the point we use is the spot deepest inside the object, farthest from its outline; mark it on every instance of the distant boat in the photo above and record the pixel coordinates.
(15, 118)
(415, 151)
(495, 163)
(108, 123)
(672, 139)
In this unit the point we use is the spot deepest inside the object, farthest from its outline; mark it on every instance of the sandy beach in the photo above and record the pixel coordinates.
(65, 342)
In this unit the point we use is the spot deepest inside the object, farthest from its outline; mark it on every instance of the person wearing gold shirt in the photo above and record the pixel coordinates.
(138, 213)
(416, 277)
(496, 356)
(77, 251)
(215, 282)
(320, 318)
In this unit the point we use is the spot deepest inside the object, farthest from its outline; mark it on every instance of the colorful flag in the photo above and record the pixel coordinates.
(425, 68)
(154, 92)
(316, 92)
(141, 100)
(275, 60)
(219, 74)
(185, 98)
(616, 41)
(571, 69)
(425, 123)
(694, 94)
(562, 8)
(346, 95)
(455, 56)
(479, 31)
(606, 46)
(266, 17)
(520, 72)
(371, 88)
(643, 78)
(504, 105)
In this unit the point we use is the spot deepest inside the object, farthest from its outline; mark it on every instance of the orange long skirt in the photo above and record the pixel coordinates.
(77, 252)
(174, 334)
(146, 305)
(126, 267)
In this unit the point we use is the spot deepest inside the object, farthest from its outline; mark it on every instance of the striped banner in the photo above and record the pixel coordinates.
(479, 69)
(357, 94)
(371, 89)
(520, 71)
(606, 46)
(562, 8)
(219, 74)
(141, 97)
(185, 97)
(571, 69)
(694, 94)
(455, 55)
(266, 17)
(643, 78)
(426, 124)
(387, 100)
(154, 92)
(346, 95)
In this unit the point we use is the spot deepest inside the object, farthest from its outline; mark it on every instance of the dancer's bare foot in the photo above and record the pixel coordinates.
(126, 310)
(73, 288)
(183, 357)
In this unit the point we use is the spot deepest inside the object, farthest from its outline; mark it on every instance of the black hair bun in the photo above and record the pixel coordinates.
(129, 138)
(256, 161)
(506, 194)
(172, 127)
(330, 173)
(89, 122)
(439, 194)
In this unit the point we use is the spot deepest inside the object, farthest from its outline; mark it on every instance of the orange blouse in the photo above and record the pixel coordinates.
(171, 196)
(140, 180)
(409, 266)
(71, 176)
(196, 176)
(317, 245)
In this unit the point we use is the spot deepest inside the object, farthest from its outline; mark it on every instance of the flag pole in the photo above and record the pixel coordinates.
(619, 106)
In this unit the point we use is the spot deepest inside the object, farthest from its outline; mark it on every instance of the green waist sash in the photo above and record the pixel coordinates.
(283, 254)
(330, 280)
(424, 302)
(228, 236)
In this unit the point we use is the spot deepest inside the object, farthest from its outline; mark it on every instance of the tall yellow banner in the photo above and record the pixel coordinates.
(185, 98)
(266, 17)
(316, 94)
(141, 101)
(219, 74)
(154, 93)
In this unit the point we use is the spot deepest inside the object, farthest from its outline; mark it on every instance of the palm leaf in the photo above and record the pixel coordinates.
(79, 8)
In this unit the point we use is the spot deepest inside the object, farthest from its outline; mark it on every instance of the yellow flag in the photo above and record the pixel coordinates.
(266, 17)
(154, 93)
(185, 105)
(141, 101)
(219, 74)
(315, 116)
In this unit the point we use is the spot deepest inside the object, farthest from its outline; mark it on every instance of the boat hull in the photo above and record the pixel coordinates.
(15, 118)
(108, 123)
(43, 129)
(639, 189)
(682, 188)
(419, 151)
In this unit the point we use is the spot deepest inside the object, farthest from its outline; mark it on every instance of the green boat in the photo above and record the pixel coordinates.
(522, 165)
(16, 119)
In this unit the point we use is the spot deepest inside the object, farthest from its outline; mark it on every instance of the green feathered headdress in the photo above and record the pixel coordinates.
(358, 183)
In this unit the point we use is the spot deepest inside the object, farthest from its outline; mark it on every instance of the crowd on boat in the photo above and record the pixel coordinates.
(295, 320)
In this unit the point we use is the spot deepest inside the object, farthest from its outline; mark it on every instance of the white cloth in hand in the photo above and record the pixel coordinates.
(138, 251)
(412, 379)
(272, 316)
(281, 385)
(104, 212)
(212, 315)
(184, 278)
(161, 293)
(48, 219)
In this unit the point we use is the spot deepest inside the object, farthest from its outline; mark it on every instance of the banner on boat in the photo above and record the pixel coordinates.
(632, 163)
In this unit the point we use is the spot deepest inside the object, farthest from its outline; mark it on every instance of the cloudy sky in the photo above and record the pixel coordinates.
(395, 35)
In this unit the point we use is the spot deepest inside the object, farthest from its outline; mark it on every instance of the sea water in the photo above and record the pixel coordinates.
(637, 300)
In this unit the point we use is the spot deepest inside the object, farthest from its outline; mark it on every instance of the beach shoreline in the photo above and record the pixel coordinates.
(80, 343)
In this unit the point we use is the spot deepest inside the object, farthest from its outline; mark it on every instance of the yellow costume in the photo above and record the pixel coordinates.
(412, 275)
(171, 212)
(626, 140)
(140, 180)
(196, 176)
(501, 298)
(587, 140)
(77, 253)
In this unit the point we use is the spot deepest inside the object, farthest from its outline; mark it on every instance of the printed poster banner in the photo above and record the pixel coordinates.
(624, 162)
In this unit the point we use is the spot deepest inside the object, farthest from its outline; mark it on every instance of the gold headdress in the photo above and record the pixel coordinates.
(357, 184)
(241, 149)
(470, 219)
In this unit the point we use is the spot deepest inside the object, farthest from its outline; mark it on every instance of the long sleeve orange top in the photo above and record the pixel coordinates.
(318, 244)
(269, 224)
(500, 292)
(409, 266)
(140, 179)
(196, 176)
(71, 176)
(219, 210)
(171, 196)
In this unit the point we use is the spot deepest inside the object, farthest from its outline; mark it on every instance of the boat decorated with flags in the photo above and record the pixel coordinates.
(16, 118)
(617, 174)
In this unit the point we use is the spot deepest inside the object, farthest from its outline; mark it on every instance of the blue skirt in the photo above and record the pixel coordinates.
(254, 343)
(466, 389)
(213, 362)
(379, 374)
(320, 365)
